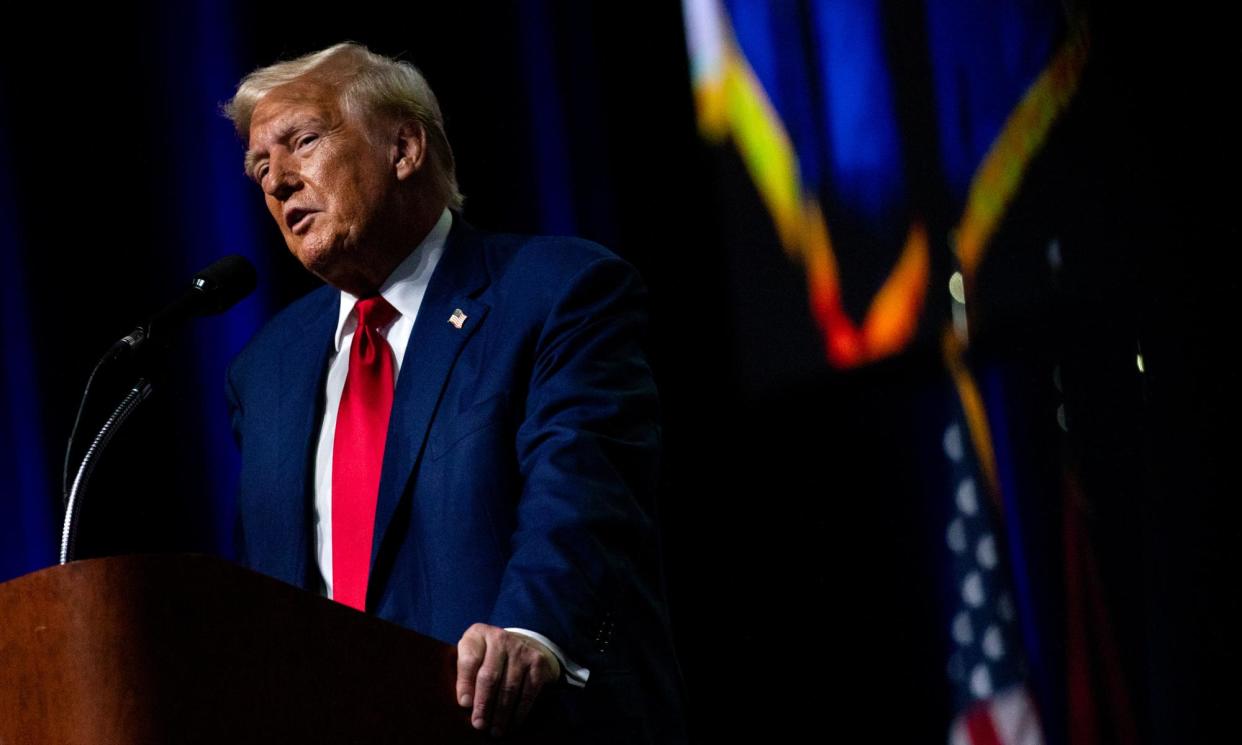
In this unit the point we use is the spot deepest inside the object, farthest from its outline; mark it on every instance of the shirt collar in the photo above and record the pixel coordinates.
(405, 287)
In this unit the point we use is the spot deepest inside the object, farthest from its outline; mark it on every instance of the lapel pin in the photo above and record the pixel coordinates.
(457, 319)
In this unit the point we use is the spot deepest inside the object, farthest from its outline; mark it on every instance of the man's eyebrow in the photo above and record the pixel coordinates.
(282, 135)
(248, 163)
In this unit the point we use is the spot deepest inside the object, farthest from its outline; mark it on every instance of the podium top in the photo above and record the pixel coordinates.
(189, 649)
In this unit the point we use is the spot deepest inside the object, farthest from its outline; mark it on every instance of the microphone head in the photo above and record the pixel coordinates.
(223, 284)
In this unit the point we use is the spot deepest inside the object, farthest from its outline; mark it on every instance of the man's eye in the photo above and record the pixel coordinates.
(306, 139)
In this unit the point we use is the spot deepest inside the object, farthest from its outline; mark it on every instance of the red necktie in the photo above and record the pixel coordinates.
(358, 451)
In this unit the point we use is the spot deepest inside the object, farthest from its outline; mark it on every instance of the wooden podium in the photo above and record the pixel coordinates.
(191, 649)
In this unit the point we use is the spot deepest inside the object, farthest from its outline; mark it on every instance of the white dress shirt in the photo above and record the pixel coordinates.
(404, 289)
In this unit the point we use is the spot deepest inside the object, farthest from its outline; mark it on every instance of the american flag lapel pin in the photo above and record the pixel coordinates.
(457, 319)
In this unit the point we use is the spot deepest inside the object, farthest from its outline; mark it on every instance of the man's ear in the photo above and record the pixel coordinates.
(411, 149)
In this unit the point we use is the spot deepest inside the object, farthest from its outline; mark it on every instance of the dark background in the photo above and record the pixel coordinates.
(795, 508)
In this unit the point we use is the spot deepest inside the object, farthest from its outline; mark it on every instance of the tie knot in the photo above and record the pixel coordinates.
(375, 312)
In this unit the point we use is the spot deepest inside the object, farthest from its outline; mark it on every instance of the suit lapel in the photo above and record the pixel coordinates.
(433, 348)
(302, 368)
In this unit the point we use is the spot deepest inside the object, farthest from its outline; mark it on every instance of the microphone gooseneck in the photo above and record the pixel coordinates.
(212, 290)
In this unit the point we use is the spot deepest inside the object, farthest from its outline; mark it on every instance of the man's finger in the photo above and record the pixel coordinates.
(511, 691)
(488, 682)
(470, 651)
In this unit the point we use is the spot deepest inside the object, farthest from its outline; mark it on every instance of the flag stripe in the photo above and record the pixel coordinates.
(979, 725)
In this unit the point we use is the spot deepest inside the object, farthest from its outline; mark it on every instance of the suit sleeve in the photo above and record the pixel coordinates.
(587, 450)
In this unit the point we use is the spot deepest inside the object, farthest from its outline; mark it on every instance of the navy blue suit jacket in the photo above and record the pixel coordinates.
(519, 472)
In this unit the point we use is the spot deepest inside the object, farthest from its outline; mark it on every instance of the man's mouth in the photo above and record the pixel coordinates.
(299, 220)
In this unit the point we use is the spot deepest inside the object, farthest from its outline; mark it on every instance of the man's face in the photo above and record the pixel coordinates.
(327, 185)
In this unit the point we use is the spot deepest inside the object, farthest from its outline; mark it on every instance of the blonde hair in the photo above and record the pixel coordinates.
(367, 84)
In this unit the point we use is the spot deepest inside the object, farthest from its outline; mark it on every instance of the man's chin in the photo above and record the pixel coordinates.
(317, 260)
(333, 269)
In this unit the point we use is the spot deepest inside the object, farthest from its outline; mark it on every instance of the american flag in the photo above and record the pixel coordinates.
(986, 668)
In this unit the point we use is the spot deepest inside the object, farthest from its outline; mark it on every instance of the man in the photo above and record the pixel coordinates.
(459, 434)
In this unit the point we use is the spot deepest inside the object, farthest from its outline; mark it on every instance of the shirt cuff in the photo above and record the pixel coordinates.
(575, 675)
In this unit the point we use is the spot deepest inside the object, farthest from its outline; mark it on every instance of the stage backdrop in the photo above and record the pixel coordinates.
(942, 320)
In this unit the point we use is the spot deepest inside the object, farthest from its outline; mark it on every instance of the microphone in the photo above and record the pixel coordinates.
(212, 290)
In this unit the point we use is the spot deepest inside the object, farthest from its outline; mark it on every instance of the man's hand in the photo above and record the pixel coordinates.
(500, 673)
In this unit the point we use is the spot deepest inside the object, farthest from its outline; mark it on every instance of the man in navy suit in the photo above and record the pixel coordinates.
(507, 504)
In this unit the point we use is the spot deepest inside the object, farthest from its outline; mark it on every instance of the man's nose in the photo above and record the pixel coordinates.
(283, 178)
